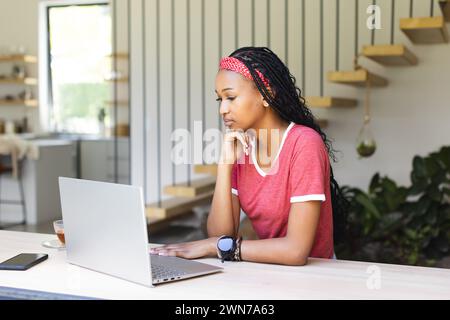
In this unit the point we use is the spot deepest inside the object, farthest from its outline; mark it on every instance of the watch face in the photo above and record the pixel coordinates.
(225, 244)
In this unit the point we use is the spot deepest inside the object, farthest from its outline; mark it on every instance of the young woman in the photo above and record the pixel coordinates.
(291, 197)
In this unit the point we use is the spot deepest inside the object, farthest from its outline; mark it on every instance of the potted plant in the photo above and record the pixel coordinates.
(397, 224)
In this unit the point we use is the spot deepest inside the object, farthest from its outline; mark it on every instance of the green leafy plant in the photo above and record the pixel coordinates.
(397, 224)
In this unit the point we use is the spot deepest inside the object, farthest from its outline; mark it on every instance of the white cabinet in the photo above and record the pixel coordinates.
(40, 179)
(98, 160)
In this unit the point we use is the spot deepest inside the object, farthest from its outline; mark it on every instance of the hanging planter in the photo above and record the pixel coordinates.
(365, 143)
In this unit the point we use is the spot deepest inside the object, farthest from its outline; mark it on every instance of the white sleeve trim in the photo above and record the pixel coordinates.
(309, 197)
(234, 191)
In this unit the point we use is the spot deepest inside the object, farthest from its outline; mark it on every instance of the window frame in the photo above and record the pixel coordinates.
(45, 84)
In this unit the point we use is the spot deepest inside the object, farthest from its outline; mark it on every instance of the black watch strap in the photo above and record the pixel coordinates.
(234, 254)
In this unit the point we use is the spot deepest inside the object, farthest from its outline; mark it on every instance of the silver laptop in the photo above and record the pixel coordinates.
(106, 230)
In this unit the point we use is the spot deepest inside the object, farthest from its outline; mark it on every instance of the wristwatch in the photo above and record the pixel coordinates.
(228, 248)
(225, 248)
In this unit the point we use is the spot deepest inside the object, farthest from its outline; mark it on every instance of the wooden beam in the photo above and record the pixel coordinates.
(18, 58)
(176, 206)
(357, 78)
(193, 189)
(428, 30)
(328, 102)
(445, 8)
(206, 169)
(390, 55)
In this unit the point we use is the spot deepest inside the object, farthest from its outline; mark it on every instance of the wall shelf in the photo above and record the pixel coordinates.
(329, 102)
(28, 81)
(10, 80)
(357, 78)
(18, 58)
(429, 30)
(390, 55)
(18, 102)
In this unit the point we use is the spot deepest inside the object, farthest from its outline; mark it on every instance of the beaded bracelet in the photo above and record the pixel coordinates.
(237, 251)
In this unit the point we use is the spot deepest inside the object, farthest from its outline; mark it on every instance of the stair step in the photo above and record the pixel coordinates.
(193, 189)
(357, 78)
(445, 8)
(159, 224)
(428, 30)
(176, 206)
(390, 55)
(210, 169)
(328, 102)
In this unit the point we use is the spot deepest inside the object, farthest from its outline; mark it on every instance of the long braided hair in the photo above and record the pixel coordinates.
(286, 99)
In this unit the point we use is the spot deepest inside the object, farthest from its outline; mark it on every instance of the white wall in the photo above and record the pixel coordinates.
(18, 26)
(410, 116)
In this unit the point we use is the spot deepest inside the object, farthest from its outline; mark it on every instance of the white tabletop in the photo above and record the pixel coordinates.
(319, 279)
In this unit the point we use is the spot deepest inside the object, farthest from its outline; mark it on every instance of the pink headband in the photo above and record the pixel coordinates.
(233, 64)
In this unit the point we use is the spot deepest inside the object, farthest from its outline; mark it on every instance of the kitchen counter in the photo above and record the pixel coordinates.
(40, 182)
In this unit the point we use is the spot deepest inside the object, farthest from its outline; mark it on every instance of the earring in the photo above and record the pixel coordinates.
(265, 104)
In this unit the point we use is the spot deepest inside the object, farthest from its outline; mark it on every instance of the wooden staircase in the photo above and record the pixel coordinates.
(177, 206)
(192, 189)
(428, 30)
(187, 196)
(210, 169)
(328, 102)
(357, 78)
(390, 55)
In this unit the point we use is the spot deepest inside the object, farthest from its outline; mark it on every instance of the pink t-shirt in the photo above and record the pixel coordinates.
(300, 172)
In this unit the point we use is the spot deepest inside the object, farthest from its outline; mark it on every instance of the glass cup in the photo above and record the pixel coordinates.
(58, 225)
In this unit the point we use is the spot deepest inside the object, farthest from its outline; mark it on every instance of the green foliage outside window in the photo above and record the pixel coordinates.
(82, 99)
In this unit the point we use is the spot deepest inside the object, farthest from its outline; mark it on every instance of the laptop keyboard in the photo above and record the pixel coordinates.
(160, 272)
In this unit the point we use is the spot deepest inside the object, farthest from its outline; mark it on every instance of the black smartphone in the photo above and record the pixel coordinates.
(23, 261)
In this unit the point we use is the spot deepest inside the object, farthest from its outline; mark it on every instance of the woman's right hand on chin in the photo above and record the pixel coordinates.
(235, 142)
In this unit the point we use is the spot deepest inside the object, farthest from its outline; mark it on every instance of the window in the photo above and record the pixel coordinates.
(78, 41)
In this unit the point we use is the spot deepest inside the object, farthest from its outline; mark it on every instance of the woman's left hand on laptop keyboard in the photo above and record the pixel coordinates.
(189, 250)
